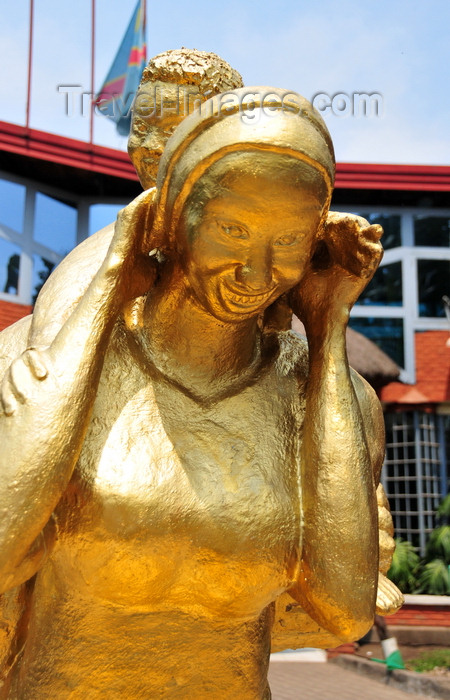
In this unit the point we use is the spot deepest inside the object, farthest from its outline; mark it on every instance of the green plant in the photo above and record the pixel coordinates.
(405, 566)
(431, 574)
(434, 578)
(439, 658)
(444, 508)
(438, 545)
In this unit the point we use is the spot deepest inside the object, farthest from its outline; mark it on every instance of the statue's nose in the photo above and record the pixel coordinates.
(256, 273)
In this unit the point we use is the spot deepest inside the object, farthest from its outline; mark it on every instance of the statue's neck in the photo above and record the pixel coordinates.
(193, 348)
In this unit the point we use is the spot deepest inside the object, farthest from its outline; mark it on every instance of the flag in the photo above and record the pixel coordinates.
(116, 96)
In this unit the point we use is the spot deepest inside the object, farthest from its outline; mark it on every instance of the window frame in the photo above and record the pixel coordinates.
(29, 245)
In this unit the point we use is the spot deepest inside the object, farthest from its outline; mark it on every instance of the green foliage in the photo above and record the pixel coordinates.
(439, 658)
(405, 566)
(430, 575)
(438, 545)
(434, 578)
(444, 509)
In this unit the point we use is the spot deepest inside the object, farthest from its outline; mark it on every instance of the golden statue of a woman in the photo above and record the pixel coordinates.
(174, 462)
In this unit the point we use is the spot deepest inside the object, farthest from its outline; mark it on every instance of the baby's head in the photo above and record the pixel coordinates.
(173, 85)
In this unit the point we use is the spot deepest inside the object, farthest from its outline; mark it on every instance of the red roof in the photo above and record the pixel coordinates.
(42, 145)
(60, 149)
(379, 176)
(432, 372)
(10, 313)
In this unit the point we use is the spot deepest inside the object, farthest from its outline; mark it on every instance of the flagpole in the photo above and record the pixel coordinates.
(144, 19)
(91, 115)
(30, 59)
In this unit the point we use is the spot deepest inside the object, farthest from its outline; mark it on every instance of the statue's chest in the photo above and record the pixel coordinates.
(169, 488)
(160, 454)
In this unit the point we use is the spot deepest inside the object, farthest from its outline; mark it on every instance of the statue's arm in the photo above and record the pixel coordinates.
(293, 627)
(373, 421)
(389, 597)
(47, 395)
(13, 341)
(339, 566)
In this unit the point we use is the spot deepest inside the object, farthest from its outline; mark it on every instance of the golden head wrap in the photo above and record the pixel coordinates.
(248, 119)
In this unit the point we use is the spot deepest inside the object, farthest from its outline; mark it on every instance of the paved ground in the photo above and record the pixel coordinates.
(326, 681)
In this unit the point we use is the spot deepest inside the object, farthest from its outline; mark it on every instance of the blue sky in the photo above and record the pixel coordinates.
(399, 49)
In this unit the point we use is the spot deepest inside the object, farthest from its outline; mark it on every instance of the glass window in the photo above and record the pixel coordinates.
(9, 267)
(387, 333)
(434, 283)
(55, 224)
(385, 288)
(12, 204)
(391, 224)
(41, 271)
(432, 231)
(100, 215)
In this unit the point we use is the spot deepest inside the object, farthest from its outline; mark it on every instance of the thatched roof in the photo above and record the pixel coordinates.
(364, 356)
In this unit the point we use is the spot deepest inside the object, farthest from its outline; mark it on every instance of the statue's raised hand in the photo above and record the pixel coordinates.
(70, 280)
(128, 253)
(345, 260)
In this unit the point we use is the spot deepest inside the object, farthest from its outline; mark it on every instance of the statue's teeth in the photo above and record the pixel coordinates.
(248, 300)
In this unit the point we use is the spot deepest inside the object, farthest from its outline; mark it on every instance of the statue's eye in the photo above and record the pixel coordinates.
(287, 239)
(233, 230)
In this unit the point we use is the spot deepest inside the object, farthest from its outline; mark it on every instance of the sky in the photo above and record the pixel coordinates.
(398, 50)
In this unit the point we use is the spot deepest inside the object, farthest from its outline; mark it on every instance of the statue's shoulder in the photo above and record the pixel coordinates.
(13, 341)
(293, 354)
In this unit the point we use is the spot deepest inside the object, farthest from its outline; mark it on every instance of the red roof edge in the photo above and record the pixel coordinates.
(33, 143)
(375, 176)
(60, 149)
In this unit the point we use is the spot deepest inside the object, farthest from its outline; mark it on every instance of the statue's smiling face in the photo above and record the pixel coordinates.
(252, 242)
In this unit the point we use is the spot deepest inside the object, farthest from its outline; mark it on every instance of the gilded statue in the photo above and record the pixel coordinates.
(176, 461)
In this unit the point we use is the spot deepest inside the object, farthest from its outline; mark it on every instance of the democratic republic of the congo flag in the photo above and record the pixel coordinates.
(115, 98)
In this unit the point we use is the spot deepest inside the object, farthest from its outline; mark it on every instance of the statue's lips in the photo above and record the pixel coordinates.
(240, 298)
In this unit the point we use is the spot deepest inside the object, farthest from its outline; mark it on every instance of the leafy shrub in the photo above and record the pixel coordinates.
(438, 545)
(405, 566)
(434, 578)
(430, 575)
(444, 509)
